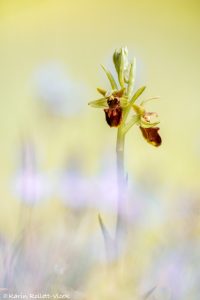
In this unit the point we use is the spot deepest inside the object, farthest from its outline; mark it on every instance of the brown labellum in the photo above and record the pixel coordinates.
(113, 113)
(151, 135)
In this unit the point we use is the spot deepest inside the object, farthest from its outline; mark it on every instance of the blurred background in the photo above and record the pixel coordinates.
(57, 155)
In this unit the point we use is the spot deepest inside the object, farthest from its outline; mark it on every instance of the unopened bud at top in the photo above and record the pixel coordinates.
(120, 59)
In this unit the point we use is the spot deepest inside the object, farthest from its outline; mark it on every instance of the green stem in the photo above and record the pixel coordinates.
(121, 182)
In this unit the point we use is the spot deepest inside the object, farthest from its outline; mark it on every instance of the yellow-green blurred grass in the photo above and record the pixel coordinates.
(164, 38)
(123, 279)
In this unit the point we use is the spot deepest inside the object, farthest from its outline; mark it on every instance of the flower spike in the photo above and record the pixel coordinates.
(122, 111)
(118, 103)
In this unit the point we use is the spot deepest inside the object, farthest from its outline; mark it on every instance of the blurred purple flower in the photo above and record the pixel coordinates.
(74, 189)
(30, 185)
(61, 95)
(79, 190)
(174, 275)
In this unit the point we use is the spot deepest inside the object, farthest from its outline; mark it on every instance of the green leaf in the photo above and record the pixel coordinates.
(110, 78)
(108, 241)
(100, 103)
(104, 230)
(137, 94)
(149, 293)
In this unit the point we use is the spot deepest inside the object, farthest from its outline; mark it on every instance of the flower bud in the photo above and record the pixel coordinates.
(120, 59)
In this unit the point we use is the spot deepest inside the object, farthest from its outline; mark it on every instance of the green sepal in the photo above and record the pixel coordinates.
(100, 103)
(138, 109)
(102, 91)
(110, 78)
(117, 59)
(137, 94)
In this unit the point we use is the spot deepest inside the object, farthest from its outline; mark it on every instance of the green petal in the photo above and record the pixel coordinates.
(145, 124)
(119, 93)
(110, 78)
(100, 103)
(149, 99)
(123, 102)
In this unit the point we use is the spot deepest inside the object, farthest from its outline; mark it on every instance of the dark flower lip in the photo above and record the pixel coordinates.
(113, 103)
(151, 135)
(114, 112)
(113, 116)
